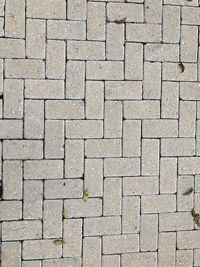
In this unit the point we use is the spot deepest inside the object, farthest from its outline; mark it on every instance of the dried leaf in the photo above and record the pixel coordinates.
(120, 21)
(188, 192)
(193, 213)
(58, 242)
(198, 222)
(85, 194)
(182, 67)
(65, 214)
(196, 217)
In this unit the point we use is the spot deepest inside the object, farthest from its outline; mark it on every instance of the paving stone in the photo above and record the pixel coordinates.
(99, 133)
(20, 230)
(22, 149)
(41, 249)
(11, 254)
(43, 169)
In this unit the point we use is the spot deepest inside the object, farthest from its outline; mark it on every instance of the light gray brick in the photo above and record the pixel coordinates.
(162, 52)
(44, 89)
(55, 59)
(143, 32)
(115, 42)
(12, 48)
(178, 147)
(52, 218)
(144, 109)
(130, 215)
(76, 10)
(75, 79)
(118, 11)
(54, 139)
(168, 175)
(121, 167)
(190, 15)
(189, 165)
(78, 208)
(150, 157)
(110, 260)
(112, 196)
(171, 23)
(123, 90)
(41, 249)
(92, 251)
(1, 76)
(131, 138)
(11, 129)
(74, 158)
(172, 72)
(133, 61)
(11, 254)
(152, 80)
(33, 200)
(12, 180)
(178, 221)
(83, 129)
(189, 43)
(2, 5)
(105, 70)
(125, 243)
(102, 226)
(43, 169)
(34, 119)
(147, 259)
(153, 11)
(85, 50)
(15, 19)
(103, 148)
(187, 119)
(188, 239)
(20, 230)
(65, 188)
(73, 237)
(185, 203)
(158, 203)
(13, 99)
(196, 257)
(94, 109)
(34, 263)
(113, 119)
(35, 38)
(184, 258)
(167, 249)
(47, 9)
(94, 177)
(140, 185)
(96, 19)
(63, 262)
(10, 210)
(64, 109)
(160, 128)
(24, 68)
(149, 232)
(66, 30)
(170, 100)
(190, 91)
(22, 149)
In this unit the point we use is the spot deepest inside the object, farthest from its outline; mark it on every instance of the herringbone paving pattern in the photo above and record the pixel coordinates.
(100, 133)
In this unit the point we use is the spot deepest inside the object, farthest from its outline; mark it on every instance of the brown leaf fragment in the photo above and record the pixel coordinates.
(120, 21)
(182, 67)
(58, 242)
(196, 217)
(85, 194)
(188, 192)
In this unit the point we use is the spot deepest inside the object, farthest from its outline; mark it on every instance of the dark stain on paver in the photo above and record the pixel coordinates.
(120, 21)
(188, 192)
(182, 67)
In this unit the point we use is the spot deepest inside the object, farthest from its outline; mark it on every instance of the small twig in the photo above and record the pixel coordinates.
(188, 192)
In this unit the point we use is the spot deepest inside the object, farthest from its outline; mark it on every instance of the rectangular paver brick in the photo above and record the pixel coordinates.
(147, 259)
(12, 48)
(144, 109)
(76, 9)
(43, 169)
(168, 175)
(92, 247)
(125, 243)
(22, 149)
(10, 210)
(11, 254)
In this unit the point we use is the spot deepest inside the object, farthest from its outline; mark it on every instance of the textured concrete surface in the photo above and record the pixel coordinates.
(100, 133)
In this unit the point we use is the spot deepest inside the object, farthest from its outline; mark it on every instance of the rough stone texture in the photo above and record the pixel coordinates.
(99, 133)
